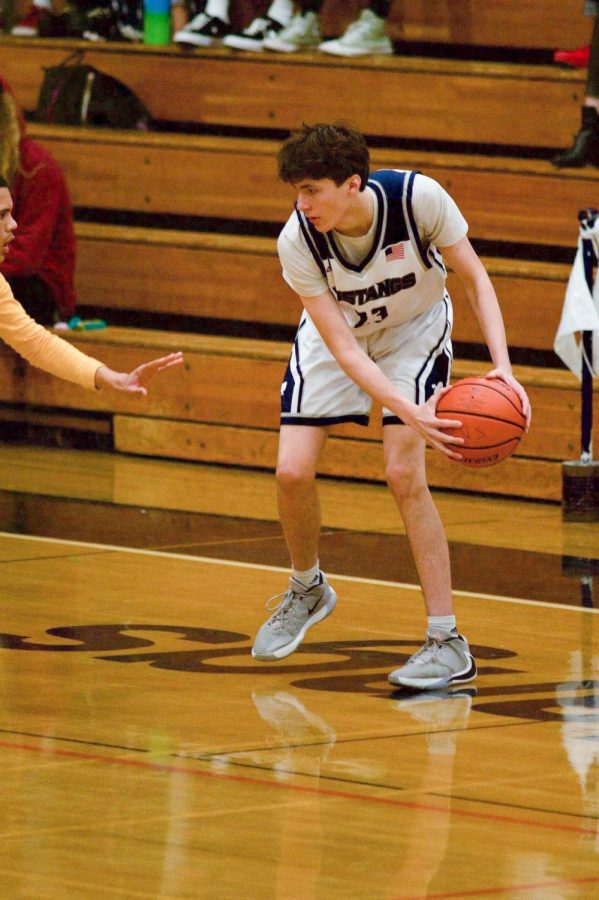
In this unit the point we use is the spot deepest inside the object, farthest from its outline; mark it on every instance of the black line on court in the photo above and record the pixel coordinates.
(389, 787)
(323, 777)
(209, 757)
(327, 778)
(29, 559)
(67, 740)
(536, 809)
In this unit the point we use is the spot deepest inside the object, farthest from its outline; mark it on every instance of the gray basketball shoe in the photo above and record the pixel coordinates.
(298, 610)
(436, 665)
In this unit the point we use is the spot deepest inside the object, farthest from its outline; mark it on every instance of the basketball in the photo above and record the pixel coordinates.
(492, 420)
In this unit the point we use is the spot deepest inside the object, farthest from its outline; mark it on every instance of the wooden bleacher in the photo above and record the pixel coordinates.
(443, 100)
(483, 129)
(512, 200)
(138, 265)
(223, 408)
(534, 23)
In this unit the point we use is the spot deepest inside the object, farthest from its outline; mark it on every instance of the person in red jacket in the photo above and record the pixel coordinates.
(41, 266)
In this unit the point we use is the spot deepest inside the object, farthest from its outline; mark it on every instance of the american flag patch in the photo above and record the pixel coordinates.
(395, 251)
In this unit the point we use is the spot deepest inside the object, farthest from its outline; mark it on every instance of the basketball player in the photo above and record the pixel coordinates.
(49, 352)
(367, 258)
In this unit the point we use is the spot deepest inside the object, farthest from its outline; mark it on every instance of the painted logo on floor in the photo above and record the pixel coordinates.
(358, 667)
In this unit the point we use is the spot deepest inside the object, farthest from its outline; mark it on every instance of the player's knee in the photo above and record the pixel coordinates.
(404, 480)
(292, 475)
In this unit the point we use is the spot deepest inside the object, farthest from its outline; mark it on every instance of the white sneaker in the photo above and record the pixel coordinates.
(302, 33)
(366, 36)
(299, 609)
(195, 24)
(253, 37)
(203, 31)
(437, 664)
(130, 33)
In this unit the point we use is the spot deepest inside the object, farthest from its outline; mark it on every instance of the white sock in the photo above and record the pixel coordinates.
(307, 576)
(44, 4)
(281, 11)
(441, 627)
(218, 9)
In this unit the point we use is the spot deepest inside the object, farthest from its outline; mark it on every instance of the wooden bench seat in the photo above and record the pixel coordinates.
(223, 407)
(424, 99)
(511, 200)
(238, 278)
(534, 24)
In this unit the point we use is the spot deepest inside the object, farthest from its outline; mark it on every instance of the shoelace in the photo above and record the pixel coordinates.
(284, 611)
(428, 652)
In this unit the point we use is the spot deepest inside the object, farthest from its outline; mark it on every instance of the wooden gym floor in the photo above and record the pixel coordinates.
(145, 754)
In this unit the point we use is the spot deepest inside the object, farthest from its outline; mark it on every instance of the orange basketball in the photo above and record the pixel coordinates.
(492, 420)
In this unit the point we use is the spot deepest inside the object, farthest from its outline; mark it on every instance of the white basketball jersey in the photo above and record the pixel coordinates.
(399, 278)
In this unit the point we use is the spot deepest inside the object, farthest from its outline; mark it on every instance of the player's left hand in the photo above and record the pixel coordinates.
(137, 381)
(507, 376)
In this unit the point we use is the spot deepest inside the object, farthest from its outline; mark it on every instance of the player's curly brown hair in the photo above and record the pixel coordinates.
(335, 151)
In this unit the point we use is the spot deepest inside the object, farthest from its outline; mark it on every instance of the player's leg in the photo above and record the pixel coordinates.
(300, 447)
(309, 598)
(445, 656)
(315, 394)
(406, 477)
(416, 358)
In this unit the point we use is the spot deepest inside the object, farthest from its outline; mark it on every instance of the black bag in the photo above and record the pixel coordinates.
(74, 93)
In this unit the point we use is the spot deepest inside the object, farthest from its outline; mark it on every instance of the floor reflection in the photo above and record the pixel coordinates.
(536, 576)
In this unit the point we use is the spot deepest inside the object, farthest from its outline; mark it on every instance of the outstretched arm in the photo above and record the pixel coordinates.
(137, 381)
(60, 358)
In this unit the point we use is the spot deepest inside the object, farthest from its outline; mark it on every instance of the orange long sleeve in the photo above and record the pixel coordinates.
(40, 347)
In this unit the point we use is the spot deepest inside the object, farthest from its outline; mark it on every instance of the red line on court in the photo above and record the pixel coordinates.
(479, 892)
(298, 789)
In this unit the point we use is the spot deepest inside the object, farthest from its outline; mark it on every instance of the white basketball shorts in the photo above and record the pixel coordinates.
(415, 356)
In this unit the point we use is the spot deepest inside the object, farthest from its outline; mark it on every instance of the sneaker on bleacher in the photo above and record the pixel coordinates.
(203, 31)
(302, 33)
(130, 32)
(364, 37)
(254, 36)
(29, 24)
(100, 25)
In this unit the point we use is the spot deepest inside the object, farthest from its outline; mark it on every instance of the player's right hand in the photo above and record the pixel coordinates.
(424, 421)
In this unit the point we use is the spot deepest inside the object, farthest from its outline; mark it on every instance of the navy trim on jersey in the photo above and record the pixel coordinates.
(437, 259)
(391, 185)
(316, 244)
(381, 220)
(387, 185)
(415, 236)
(325, 420)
